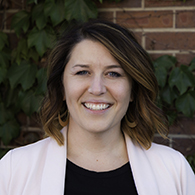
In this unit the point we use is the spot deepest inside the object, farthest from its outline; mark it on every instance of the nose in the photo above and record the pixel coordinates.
(97, 86)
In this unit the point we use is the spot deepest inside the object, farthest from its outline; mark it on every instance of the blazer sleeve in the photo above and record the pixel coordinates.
(187, 177)
(5, 173)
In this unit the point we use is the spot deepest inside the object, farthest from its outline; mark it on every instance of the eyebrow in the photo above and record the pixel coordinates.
(113, 66)
(87, 66)
(81, 65)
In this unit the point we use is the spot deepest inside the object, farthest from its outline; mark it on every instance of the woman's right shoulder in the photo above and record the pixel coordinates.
(26, 152)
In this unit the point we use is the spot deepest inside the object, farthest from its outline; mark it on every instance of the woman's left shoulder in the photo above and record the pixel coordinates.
(166, 154)
(163, 150)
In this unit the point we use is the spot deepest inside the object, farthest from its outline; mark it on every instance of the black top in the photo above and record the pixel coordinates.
(80, 181)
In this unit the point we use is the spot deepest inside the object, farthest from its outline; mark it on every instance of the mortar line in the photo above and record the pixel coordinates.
(151, 30)
(174, 19)
(148, 9)
(170, 51)
(114, 16)
(143, 4)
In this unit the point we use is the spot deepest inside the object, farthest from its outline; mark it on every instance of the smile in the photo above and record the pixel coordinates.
(96, 106)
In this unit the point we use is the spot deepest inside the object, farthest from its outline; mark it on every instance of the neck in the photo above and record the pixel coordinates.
(97, 151)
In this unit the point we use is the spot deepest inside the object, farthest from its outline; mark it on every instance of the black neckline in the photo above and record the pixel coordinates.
(79, 170)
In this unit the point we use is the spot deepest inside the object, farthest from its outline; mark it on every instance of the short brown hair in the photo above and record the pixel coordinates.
(136, 63)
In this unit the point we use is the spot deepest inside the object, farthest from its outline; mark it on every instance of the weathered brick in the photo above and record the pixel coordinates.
(160, 140)
(170, 40)
(5, 5)
(185, 19)
(1, 21)
(22, 119)
(35, 121)
(13, 39)
(166, 3)
(26, 137)
(145, 19)
(17, 4)
(31, 137)
(9, 17)
(185, 145)
(181, 58)
(155, 56)
(106, 16)
(183, 125)
(185, 58)
(138, 36)
(122, 4)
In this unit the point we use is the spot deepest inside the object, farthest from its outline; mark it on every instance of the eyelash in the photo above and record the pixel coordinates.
(83, 72)
(111, 74)
(114, 74)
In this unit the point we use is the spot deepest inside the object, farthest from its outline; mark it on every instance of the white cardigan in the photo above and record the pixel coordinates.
(39, 169)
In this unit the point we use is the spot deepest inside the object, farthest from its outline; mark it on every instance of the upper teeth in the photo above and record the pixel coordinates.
(96, 106)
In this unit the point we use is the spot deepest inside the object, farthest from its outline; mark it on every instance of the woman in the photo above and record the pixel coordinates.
(102, 91)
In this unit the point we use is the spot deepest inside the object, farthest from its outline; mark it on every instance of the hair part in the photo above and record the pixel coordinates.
(135, 61)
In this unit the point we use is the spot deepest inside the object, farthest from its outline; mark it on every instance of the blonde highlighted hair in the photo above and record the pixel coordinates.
(135, 62)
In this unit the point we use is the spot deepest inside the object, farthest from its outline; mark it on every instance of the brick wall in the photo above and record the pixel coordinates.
(161, 27)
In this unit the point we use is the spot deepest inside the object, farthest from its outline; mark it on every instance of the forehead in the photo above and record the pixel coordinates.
(91, 52)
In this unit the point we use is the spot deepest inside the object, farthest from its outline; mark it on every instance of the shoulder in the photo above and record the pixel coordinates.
(161, 151)
(164, 153)
(28, 153)
(167, 157)
(158, 155)
(31, 152)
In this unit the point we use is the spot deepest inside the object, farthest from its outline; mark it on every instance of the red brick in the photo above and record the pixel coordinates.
(13, 40)
(122, 4)
(31, 137)
(35, 121)
(181, 58)
(165, 3)
(170, 40)
(22, 119)
(138, 36)
(26, 138)
(17, 4)
(5, 4)
(145, 19)
(183, 125)
(186, 145)
(2, 22)
(106, 16)
(185, 19)
(9, 17)
(155, 56)
(185, 58)
(160, 140)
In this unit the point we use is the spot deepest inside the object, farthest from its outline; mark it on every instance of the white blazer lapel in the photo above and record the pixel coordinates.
(145, 181)
(53, 179)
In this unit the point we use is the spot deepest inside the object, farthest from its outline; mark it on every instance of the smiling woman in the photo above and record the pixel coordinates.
(100, 116)
(143, 117)
(97, 90)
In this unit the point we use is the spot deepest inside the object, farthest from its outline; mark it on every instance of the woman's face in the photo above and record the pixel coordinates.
(97, 90)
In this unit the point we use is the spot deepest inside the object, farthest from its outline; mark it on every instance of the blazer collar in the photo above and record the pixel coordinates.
(143, 172)
(53, 179)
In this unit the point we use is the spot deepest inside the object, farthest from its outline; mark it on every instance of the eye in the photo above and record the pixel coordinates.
(114, 74)
(83, 72)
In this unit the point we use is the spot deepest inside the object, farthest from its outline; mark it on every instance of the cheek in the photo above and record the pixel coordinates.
(73, 92)
(123, 92)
